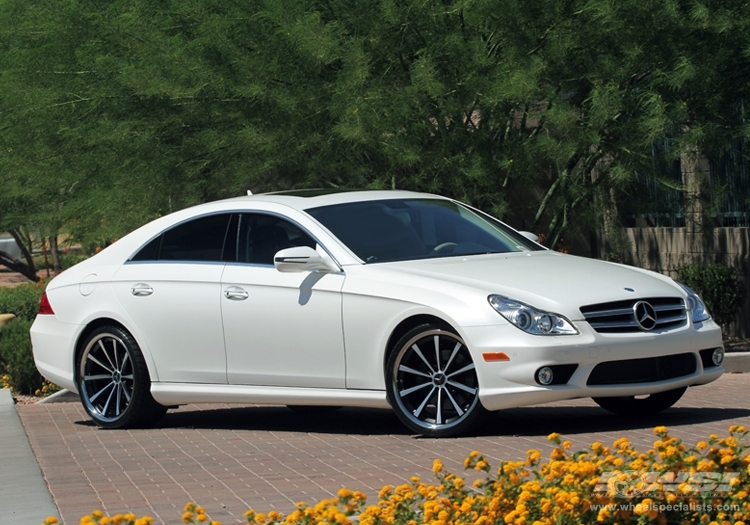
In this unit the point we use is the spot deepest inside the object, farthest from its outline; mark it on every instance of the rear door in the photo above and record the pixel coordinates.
(171, 289)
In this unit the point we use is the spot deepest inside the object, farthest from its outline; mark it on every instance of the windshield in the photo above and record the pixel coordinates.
(408, 229)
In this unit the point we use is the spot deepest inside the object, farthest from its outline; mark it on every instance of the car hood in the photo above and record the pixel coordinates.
(546, 279)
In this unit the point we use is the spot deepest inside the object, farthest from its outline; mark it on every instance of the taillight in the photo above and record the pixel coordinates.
(44, 307)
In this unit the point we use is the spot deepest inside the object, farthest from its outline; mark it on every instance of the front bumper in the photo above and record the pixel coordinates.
(506, 384)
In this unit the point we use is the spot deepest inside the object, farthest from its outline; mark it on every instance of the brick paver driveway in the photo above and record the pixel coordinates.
(229, 459)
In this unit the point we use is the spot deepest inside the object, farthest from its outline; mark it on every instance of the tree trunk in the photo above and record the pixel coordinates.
(28, 270)
(56, 265)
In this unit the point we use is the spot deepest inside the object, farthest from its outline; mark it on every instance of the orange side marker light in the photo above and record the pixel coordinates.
(495, 356)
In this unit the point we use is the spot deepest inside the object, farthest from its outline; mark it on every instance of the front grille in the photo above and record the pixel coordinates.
(620, 316)
(646, 370)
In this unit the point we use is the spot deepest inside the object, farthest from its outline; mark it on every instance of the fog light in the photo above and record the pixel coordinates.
(544, 375)
(718, 356)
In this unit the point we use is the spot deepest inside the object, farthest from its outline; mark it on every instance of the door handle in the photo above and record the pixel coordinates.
(141, 289)
(235, 293)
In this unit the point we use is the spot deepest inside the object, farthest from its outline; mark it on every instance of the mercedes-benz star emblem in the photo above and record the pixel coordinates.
(645, 315)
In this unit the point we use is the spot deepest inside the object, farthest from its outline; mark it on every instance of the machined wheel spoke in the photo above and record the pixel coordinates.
(453, 355)
(119, 397)
(96, 377)
(124, 363)
(104, 351)
(95, 360)
(404, 368)
(413, 389)
(436, 338)
(457, 408)
(109, 400)
(424, 403)
(100, 392)
(130, 376)
(439, 415)
(468, 367)
(465, 388)
(419, 353)
(126, 393)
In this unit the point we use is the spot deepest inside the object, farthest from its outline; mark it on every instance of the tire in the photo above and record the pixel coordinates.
(632, 406)
(113, 381)
(432, 384)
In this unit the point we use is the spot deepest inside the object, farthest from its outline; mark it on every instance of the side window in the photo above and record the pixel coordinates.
(261, 236)
(203, 239)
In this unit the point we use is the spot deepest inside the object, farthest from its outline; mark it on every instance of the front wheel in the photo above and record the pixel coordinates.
(633, 406)
(432, 383)
(113, 381)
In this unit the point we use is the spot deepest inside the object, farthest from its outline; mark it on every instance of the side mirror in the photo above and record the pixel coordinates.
(530, 235)
(299, 259)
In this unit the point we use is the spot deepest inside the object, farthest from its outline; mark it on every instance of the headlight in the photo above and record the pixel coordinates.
(696, 306)
(529, 319)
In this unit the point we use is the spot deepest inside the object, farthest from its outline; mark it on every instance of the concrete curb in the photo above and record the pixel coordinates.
(24, 495)
(737, 362)
(63, 396)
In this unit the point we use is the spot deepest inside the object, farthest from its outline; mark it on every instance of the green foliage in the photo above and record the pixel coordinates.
(719, 286)
(67, 260)
(21, 301)
(114, 113)
(16, 358)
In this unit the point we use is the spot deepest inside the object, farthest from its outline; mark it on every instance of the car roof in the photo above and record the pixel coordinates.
(314, 198)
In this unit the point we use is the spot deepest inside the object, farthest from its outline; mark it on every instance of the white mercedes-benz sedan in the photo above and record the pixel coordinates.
(372, 299)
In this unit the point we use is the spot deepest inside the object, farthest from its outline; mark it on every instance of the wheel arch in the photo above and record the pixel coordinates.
(98, 323)
(406, 325)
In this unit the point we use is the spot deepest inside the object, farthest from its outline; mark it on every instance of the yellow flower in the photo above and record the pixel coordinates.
(51, 520)
(553, 437)
(660, 430)
(644, 507)
(437, 466)
(621, 443)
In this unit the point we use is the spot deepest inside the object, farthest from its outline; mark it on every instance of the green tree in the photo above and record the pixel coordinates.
(538, 112)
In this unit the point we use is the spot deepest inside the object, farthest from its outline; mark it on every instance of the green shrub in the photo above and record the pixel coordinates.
(67, 260)
(16, 358)
(21, 301)
(719, 286)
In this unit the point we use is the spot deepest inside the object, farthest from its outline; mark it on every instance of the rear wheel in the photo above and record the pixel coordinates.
(432, 383)
(113, 381)
(634, 406)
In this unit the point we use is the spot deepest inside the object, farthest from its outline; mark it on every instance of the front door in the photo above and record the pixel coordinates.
(280, 329)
